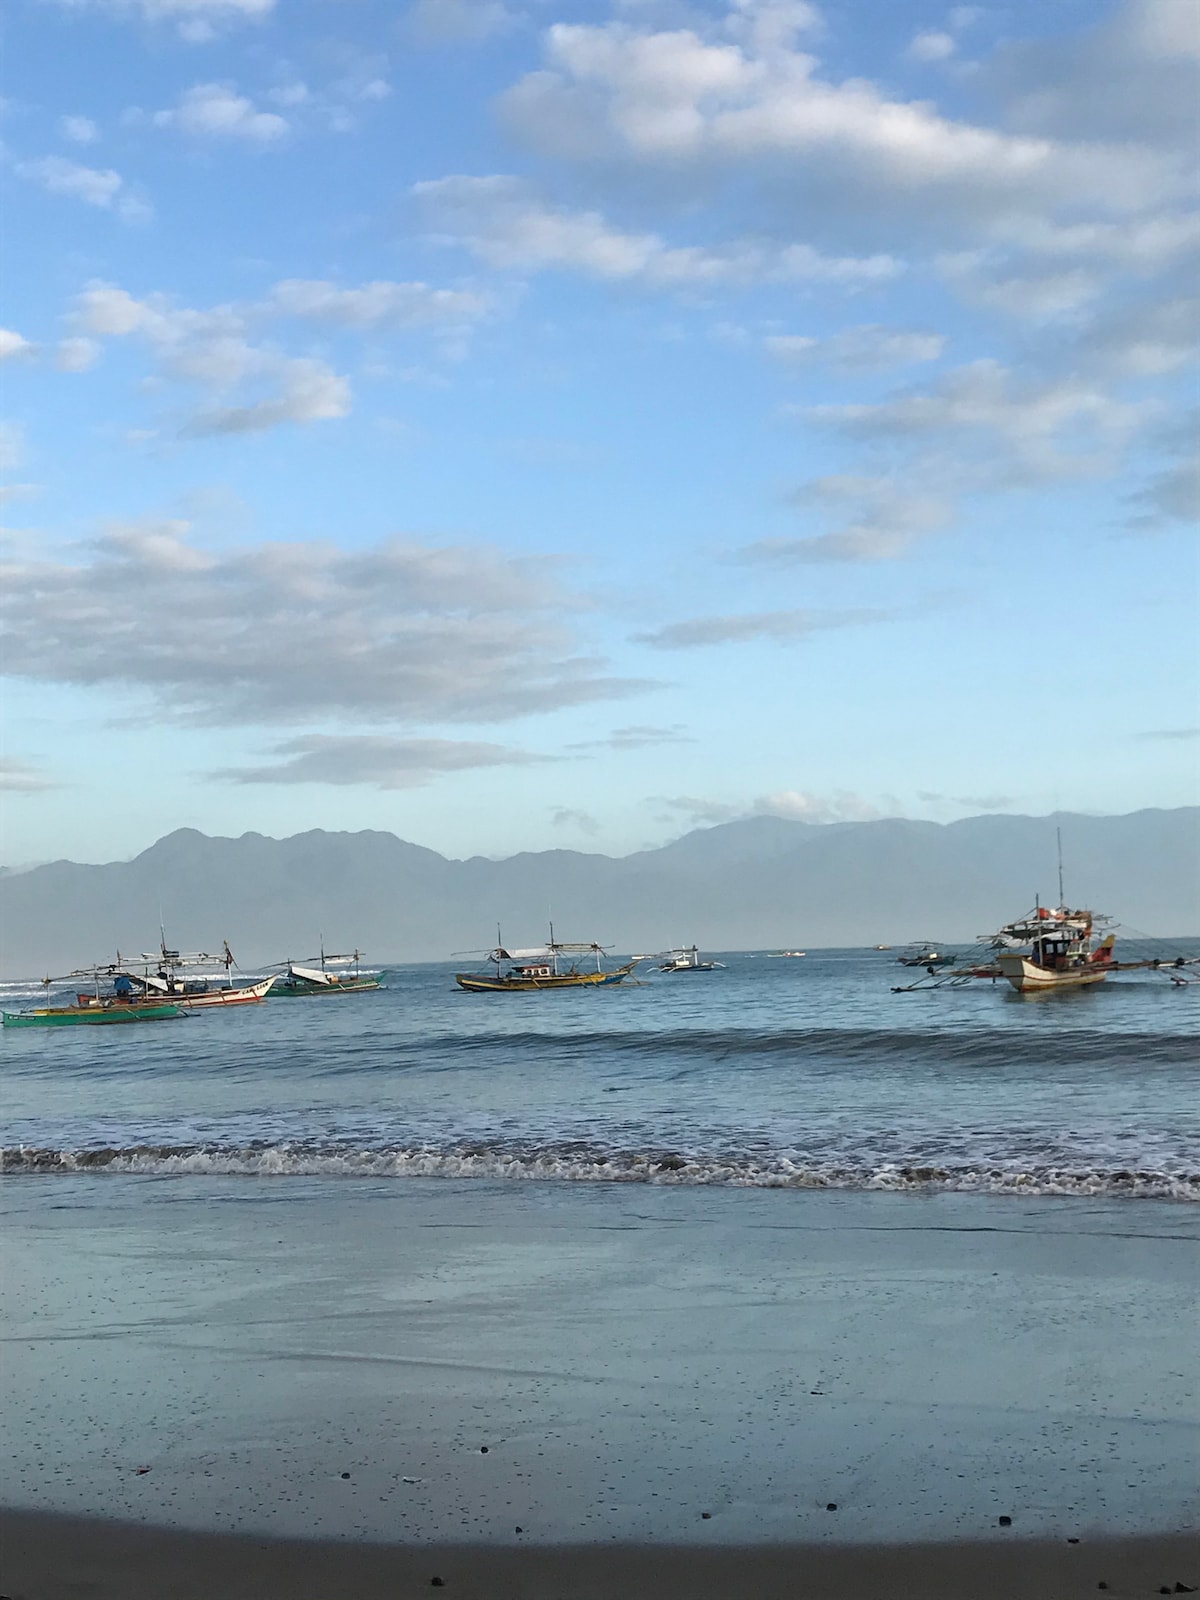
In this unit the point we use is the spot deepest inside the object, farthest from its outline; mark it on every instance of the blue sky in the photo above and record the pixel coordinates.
(530, 425)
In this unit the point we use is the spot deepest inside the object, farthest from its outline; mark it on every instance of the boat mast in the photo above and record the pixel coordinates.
(1062, 903)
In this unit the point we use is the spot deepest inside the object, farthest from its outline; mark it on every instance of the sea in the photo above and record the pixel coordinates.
(769, 1072)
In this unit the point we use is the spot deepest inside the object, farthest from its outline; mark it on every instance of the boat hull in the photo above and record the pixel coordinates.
(1027, 977)
(73, 1016)
(485, 983)
(251, 994)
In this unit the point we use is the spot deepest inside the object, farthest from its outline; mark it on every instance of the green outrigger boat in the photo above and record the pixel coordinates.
(71, 1016)
(333, 975)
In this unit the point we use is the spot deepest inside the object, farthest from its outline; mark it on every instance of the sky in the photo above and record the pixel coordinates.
(518, 424)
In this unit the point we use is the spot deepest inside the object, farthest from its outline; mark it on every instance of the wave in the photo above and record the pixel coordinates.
(583, 1163)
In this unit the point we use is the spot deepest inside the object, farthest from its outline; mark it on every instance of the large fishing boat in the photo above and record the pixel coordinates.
(326, 975)
(541, 968)
(195, 980)
(1054, 948)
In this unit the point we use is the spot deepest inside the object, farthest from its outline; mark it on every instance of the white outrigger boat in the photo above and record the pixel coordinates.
(687, 959)
(195, 980)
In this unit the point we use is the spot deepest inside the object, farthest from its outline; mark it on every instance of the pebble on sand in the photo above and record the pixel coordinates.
(832, 1506)
(1006, 1522)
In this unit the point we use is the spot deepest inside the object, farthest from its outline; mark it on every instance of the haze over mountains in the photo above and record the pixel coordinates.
(758, 883)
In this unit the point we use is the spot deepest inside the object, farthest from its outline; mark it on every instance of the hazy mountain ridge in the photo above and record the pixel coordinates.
(751, 884)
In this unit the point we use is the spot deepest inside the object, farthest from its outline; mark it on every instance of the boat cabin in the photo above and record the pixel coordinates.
(532, 970)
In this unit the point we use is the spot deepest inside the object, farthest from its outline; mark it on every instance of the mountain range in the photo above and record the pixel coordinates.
(758, 883)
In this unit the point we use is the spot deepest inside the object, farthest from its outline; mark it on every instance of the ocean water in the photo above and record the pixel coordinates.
(804, 1073)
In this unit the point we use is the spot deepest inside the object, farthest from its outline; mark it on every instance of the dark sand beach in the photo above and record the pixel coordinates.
(60, 1558)
(351, 1388)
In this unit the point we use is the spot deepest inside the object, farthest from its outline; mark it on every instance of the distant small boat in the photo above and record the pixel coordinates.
(783, 955)
(96, 1012)
(523, 971)
(925, 954)
(687, 959)
(883, 947)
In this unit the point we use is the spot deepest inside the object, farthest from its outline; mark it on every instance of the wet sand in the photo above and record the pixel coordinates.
(60, 1558)
(665, 1391)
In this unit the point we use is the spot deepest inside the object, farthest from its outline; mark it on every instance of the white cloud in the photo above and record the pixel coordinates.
(800, 805)
(932, 46)
(93, 185)
(675, 97)
(309, 391)
(459, 21)
(79, 130)
(212, 350)
(380, 760)
(793, 805)
(18, 777)
(76, 354)
(869, 348)
(251, 385)
(378, 305)
(197, 21)
(879, 519)
(502, 221)
(12, 445)
(1049, 427)
(217, 111)
(780, 627)
(289, 94)
(401, 633)
(12, 344)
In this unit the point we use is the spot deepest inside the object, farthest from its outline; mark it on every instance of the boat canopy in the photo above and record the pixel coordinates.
(309, 974)
(503, 953)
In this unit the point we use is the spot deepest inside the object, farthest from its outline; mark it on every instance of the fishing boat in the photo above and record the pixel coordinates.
(687, 959)
(325, 975)
(1054, 948)
(196, 980)
(924, 953)
(541, 968)
(95, 1012)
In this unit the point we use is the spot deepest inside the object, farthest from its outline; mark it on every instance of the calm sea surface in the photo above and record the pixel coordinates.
(772, 1072)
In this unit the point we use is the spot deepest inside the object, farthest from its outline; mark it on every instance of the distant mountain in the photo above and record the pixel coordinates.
(760, 883)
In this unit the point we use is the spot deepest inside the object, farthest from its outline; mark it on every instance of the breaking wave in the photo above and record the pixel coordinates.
(579, 1162)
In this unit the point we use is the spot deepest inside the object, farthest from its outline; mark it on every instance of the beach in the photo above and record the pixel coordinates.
(777, 1285)
(539, 1389)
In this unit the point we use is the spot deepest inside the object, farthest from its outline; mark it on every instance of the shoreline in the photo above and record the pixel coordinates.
(46, 1556)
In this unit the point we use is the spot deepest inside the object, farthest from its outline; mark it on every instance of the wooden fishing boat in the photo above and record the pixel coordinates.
(522, 971)
(1062, 951)
(325, 975)
(195, 980)
(92, 1014)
